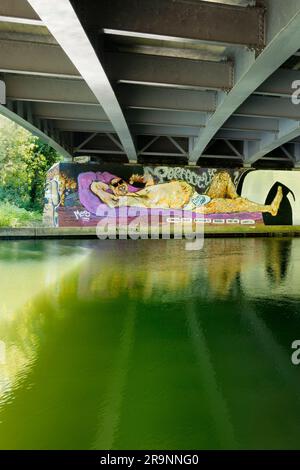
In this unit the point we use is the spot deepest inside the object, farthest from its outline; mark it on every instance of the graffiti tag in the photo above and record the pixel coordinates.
(163, 173)
(82, 215)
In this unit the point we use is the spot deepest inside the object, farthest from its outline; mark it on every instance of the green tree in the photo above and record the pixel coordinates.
(24, 162)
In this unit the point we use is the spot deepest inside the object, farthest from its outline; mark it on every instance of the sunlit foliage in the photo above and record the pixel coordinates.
(24, 161)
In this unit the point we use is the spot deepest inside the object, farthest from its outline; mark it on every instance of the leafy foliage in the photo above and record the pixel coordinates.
(13, 216)
(24, 162)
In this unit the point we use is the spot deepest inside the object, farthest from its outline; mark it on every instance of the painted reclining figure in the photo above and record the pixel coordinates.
(221, 196)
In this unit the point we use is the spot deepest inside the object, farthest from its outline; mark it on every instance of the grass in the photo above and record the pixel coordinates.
(13, 216)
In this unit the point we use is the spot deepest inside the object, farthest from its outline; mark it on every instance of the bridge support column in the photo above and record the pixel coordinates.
(2, 92)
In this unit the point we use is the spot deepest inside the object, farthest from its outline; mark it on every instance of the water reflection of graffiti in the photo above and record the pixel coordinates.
(225, 268)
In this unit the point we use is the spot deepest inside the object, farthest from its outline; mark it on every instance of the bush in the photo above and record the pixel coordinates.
(13, 216)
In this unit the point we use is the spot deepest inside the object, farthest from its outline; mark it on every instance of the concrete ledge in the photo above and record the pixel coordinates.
(90, 232)
(47, 232)
(17, 233)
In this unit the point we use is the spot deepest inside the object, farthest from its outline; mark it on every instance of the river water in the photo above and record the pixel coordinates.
(145, 345)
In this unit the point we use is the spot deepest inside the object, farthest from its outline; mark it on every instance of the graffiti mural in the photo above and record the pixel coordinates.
(81, 194)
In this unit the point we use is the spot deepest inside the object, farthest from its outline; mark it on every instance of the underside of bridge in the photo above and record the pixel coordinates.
(186, 82)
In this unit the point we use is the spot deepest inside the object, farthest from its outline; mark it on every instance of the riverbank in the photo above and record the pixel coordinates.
(90, 232)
